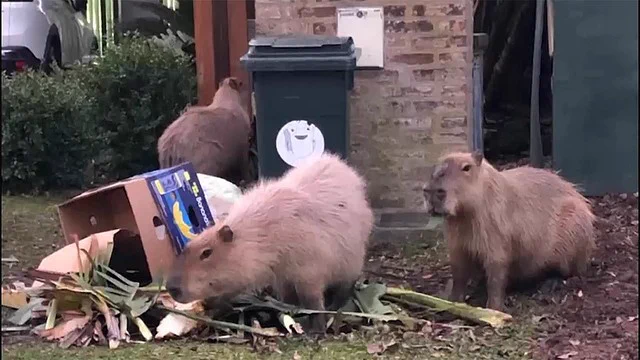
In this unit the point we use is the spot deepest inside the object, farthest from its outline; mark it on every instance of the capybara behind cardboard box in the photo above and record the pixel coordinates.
(214, 138)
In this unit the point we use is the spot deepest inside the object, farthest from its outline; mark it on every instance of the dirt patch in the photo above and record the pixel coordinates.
(595, 317)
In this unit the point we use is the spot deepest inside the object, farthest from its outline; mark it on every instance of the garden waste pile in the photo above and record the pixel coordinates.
(102, 289)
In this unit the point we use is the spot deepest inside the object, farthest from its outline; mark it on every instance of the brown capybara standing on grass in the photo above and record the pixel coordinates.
(304, 236)
(514, 226)
(215, 138)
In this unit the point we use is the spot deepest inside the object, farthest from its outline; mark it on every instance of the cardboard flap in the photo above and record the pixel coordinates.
(66, 259)
(127, 256)
(92, 192)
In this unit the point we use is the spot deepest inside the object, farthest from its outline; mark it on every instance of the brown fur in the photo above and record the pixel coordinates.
(512, 225)
(215, 138)
(303, 236)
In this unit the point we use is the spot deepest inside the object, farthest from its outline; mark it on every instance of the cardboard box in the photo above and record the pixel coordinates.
(181, 201)
(166, 208)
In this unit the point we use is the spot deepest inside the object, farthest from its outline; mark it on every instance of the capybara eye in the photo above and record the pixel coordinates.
(205, 254)
(466, 168)
(440, 192)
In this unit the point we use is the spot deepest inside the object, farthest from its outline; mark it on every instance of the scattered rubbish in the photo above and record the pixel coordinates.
(568, 355)
(166, 208)
(10, 261)
(122, 239)
(177, 325)
(97, 247)
(7, 329)
(76, 301)
(380, 347)
(477, 315)
(13, 296)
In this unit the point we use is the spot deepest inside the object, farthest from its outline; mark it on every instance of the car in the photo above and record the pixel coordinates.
(36, 33)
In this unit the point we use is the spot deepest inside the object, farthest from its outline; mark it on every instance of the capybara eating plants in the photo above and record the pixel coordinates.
(214, 138)
(302, 236)
(513, 226)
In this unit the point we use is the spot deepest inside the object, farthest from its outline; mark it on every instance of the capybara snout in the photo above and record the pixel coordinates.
(435, 200)
(450, 181)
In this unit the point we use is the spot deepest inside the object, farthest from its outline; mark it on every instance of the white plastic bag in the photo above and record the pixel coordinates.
(220, 195)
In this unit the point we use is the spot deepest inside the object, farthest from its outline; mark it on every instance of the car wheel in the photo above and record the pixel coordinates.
(51, 54)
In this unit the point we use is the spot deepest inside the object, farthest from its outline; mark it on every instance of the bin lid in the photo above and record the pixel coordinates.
(300, 53)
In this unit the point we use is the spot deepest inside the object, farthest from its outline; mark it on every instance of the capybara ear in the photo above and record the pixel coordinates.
(225, 234)
(477, 157)
(235, 83)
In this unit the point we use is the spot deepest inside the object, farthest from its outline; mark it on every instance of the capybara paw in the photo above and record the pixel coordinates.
(550, 285)
(495, 304)
(313, 325)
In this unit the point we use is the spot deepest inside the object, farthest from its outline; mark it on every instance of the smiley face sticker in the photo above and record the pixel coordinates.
(298, 140)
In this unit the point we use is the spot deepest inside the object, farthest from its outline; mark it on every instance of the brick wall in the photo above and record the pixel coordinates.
(404, 116)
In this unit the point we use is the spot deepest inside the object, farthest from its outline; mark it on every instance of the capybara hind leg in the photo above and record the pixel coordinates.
(461, 272)
(497, 276)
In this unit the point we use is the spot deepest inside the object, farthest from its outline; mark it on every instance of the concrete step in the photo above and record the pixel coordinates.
(406, 234)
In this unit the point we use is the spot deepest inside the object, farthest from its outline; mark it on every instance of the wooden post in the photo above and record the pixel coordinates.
(221, 35)
(535, 138)
(238, 42)
(204, 31)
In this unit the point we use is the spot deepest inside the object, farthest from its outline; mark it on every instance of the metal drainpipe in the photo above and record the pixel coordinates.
(480, 42)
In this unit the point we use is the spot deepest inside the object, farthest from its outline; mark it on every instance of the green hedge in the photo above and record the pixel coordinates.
(92, 123)
(47, 132)
(140, 88)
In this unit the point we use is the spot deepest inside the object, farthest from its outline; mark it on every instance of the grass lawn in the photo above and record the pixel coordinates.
(30, 231)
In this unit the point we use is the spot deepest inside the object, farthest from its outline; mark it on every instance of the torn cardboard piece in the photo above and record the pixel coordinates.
(121, 249)
(165, 207)
(67, 259)
(14, 296)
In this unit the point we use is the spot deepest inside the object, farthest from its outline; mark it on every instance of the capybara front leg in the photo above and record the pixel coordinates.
(338, 295)
(461, 273)
(496, 284)
(313, 299)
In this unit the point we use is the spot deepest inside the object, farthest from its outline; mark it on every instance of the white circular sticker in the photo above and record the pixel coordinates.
(298, 140)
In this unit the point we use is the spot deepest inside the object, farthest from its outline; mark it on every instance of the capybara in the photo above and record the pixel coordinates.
(304, 236)
(512, 226)
(214, 138)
